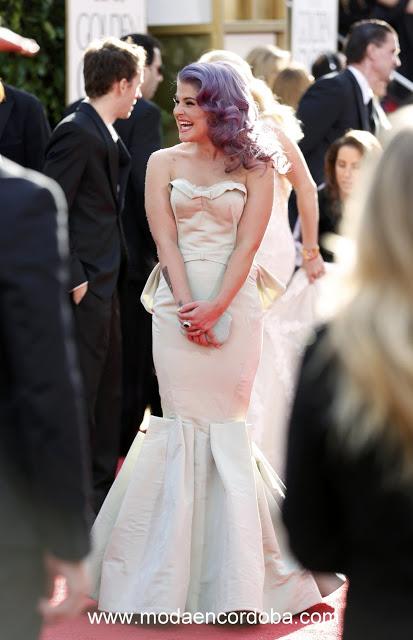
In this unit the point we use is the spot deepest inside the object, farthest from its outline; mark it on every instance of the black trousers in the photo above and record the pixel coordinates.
(99, 345)
(140, 385)
(22, 583)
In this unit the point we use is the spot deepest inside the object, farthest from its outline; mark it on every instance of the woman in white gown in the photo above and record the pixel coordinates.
(192, 522)
(288, 322)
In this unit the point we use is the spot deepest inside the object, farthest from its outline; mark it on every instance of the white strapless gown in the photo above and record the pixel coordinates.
(193, 522)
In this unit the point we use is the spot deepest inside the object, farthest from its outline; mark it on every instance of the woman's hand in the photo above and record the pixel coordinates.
(314, 268)
(198, 318)
(205, 339)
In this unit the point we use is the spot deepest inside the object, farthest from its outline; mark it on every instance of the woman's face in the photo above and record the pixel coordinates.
(191, 120)
(346, 169)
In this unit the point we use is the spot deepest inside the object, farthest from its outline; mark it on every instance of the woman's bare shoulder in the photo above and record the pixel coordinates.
(169, 155)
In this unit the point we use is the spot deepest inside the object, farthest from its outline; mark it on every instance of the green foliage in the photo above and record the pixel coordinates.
(43, 75)
(177, 51)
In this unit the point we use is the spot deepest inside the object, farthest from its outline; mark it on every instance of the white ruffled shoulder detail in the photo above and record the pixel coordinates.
(269, 133)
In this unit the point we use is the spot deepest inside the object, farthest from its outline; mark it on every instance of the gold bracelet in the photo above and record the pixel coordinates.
(310, 254)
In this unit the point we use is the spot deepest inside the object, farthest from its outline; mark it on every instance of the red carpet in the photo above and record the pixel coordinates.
(82, 629)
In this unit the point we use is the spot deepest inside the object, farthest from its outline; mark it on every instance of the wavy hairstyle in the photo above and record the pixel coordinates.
(267, 103)
(232, 115)
(372, 333)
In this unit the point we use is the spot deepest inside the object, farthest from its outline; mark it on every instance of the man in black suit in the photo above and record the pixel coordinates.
(24, 129)
(141, 134)
(44, 480)
(338, 102)
(90, 162)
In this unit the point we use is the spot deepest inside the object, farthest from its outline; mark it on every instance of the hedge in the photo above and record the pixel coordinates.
(43, 75)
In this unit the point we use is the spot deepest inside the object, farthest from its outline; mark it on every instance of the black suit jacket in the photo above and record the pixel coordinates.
(43, 483)
(93, 171)
(24, 129)
(345, 512)
(331, 106)
(141, 133)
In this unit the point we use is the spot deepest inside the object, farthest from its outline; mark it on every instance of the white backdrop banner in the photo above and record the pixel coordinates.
(87, 20)
(314, 28)
(167, 12)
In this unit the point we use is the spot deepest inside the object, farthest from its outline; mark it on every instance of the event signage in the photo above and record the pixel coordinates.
(314, 29)
(87, 20)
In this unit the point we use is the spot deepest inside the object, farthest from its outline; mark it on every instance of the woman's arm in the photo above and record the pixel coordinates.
(163, 227)
(251, 229)
(260, 186)
(307, 202)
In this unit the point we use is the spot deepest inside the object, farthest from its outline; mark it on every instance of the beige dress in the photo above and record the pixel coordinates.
(192, 522)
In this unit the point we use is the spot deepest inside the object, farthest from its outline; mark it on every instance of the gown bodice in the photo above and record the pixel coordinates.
(207, 218)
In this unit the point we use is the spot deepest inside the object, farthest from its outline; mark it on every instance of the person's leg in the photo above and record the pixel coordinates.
(93, 328)
(132, 393)
(108, 410)
(22, 583)
(140, 385)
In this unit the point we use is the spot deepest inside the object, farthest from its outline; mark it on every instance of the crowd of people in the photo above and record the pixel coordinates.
(226, 238)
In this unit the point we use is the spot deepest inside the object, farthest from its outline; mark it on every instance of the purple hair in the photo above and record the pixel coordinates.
(232, 114)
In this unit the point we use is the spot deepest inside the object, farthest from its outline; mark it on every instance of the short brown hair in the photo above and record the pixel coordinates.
(291, 83)
(110, 60)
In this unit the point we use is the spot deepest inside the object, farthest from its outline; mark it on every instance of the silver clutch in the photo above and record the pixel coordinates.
(222, 328)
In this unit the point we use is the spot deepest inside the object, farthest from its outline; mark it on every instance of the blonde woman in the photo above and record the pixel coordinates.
(349, 504)
(267, 61)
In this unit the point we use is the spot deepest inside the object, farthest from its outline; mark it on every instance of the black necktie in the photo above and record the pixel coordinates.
(372, 116)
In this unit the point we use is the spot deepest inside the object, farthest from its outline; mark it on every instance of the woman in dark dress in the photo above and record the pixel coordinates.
(342, 165)
(349, 504)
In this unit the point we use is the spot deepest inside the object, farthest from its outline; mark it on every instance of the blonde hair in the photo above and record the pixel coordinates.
(373, 332)
(267, 61)
(268, 107)
(291, 83)
(221, 55)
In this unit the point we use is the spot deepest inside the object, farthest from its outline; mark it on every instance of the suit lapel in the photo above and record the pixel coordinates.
(113, 156)
(5, 109)
(361, 107)
(124, 169)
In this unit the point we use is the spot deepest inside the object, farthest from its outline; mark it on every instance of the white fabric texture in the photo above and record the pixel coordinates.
(287, 326)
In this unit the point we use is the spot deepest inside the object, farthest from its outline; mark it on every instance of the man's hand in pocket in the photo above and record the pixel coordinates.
(79, 293)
